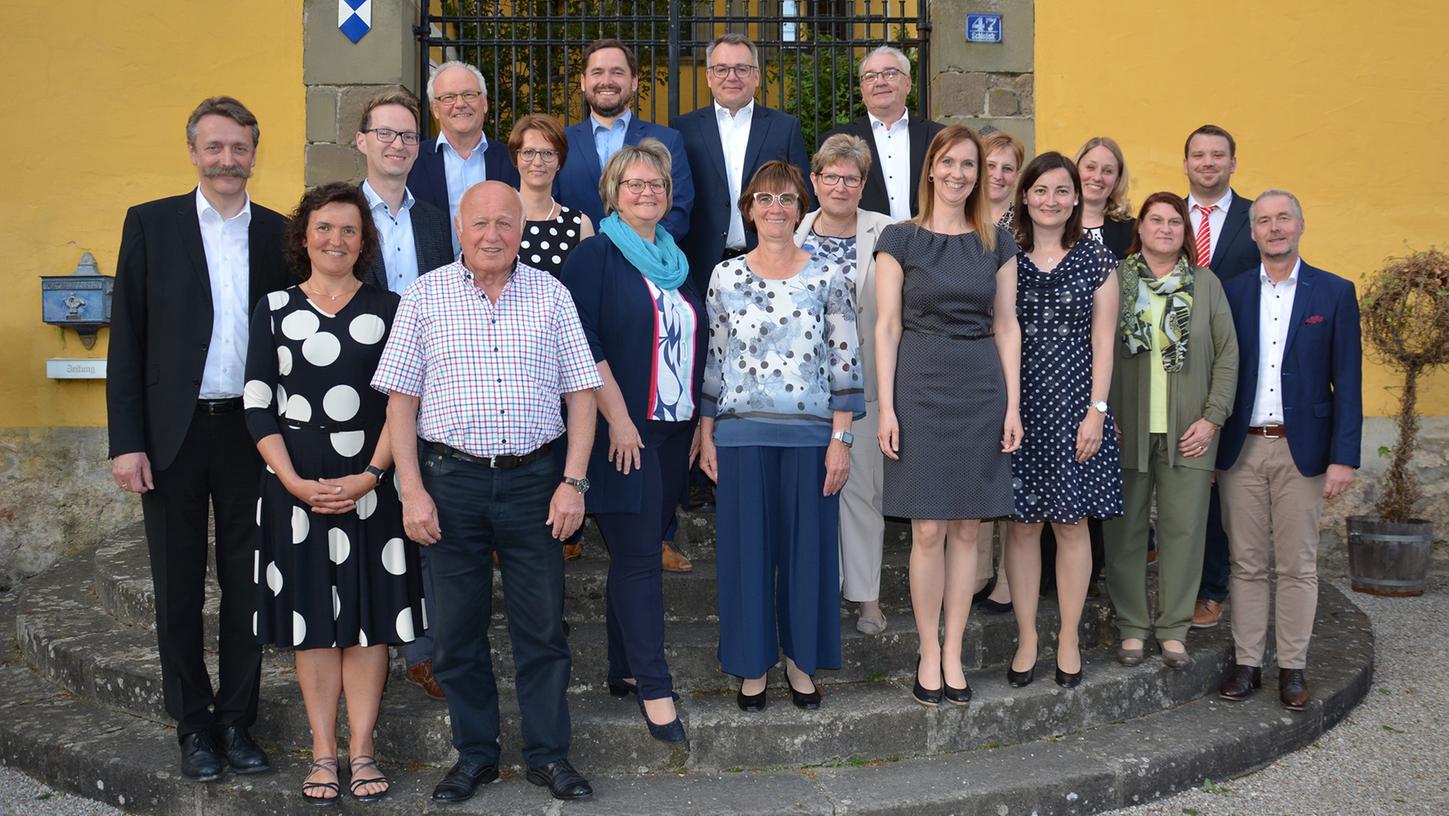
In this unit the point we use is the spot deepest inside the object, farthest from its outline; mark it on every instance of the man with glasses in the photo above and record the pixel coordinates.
(463, 155)
(414, 239)
(897, 140)
(610, 80)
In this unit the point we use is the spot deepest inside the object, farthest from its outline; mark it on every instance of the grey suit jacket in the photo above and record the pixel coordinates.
(868, 226)
(432, 241)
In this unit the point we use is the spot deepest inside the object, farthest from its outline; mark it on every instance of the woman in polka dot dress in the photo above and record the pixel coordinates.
(336, 578)
(1068, 468)
(551, 231)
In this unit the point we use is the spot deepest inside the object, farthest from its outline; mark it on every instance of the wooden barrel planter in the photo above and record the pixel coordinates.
(1389, 558)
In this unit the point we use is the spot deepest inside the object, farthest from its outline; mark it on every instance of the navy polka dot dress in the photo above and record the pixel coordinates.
(1055, 312)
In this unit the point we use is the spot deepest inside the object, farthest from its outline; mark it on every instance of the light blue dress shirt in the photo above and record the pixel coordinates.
(395, 238)
(461, 174)
(608, 140)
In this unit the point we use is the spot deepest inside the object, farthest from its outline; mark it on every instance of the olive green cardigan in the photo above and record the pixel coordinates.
(1203, 388)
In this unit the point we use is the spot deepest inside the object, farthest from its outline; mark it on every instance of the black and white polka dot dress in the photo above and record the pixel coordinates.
(547, 244)
(327, 580)
(1054, 310)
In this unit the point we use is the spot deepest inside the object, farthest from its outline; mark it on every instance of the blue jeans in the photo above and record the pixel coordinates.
(480, 510)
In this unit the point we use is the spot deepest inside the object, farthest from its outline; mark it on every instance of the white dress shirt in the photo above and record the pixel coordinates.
(893, 144)
(395, 238)
(228, 266)
(734, 137)
(1216, 221)
(461, 174)
(1274, 314)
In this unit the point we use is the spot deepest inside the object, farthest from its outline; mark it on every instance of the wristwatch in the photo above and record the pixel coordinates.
(581, 485)
(375, 471)
(1100, 406)
(844, 436)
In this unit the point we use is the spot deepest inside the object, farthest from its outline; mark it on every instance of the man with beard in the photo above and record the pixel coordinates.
(190, 271)
(611, 77)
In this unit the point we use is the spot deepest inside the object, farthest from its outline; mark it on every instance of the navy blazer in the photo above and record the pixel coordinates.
(577, 183)
(429, 182)
(874, 196)
(1322, 376)
(432, 242)
(773, 135)
(617, 313)
(1236, 252)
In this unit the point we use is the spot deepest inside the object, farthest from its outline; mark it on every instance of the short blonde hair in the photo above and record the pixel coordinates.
(842, 147)
(1119, 207)
(649, 151)
(998, 139)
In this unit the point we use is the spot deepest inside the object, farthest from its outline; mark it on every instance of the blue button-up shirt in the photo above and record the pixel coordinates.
(461, 174)
(608, 140)
(395, 238)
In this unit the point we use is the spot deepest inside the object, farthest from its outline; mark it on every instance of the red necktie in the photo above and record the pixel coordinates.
(1204, 234)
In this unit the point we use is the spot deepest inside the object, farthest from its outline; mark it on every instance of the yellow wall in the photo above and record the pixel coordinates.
(95, 122)
(1343, 102)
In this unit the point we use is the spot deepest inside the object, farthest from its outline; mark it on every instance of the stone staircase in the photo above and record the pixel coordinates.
(80, 707)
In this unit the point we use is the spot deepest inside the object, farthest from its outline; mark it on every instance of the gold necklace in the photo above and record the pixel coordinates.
(331, 298)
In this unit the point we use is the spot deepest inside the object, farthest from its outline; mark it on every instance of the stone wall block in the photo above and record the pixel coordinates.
(958, 93)
(387, 53)
(1002, 102)
(322, 113)
(949, 49)
(332, 162)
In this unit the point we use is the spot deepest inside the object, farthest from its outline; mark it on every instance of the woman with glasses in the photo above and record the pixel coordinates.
(538, 147)
(844, 234)
(781, 388)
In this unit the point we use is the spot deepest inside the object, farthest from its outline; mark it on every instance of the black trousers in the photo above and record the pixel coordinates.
(218, 466)
(1215, 567)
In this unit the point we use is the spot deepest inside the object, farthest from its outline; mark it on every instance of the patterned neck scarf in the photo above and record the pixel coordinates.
(1138, 283)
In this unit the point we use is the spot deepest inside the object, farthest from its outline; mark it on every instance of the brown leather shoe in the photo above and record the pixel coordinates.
(574, 551)
(673, 560)
(1205, 613)
(1293, 689)
(422, 676)
(1241, 682)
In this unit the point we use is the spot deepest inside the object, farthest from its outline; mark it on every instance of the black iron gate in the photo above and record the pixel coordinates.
(531, 51)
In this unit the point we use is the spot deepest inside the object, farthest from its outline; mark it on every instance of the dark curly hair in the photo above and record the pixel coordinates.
(337, 192)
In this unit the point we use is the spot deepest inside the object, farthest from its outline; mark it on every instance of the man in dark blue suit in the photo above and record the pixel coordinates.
(1225, 245)
(1292, 441)
(727, 141)
(462, 156)
(611, 78)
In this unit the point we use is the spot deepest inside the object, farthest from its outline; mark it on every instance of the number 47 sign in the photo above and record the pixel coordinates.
(983, 28)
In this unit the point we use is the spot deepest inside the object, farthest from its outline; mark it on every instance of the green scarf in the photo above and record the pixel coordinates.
(1138, 283)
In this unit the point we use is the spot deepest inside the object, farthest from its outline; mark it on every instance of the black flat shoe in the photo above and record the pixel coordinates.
(809, 701)
(562, 781)
(1018, 679)
(242, 754)
(985, 591)
(1068, 680)
(956, 696)
(672, 731)
(620, 689)
(462, 781)
(991, 607)
(751, 702)
(200, 759)
(926, 697)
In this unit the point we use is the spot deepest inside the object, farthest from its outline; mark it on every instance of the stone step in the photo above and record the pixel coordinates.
(69, 641)
(74, 743)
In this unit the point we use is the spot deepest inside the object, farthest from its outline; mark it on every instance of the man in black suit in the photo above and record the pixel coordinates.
(897, 140)
(414, 239)
(1225, 245)
(726, 142)
(463, 155)
(191, 269)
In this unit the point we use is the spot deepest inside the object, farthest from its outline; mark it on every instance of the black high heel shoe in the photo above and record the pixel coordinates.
(1020, 679)
(1066, 680)
(672, 731)
(751, 702)
(926, 697)
(956, 696)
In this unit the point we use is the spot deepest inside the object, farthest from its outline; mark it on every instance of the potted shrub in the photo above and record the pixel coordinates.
(1406, 322)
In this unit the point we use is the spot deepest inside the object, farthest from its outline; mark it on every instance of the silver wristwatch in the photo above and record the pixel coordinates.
(844, 436)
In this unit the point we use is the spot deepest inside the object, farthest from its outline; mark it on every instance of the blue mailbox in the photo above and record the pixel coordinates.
(80, 300)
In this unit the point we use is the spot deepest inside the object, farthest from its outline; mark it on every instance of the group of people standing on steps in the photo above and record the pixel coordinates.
(445, 367)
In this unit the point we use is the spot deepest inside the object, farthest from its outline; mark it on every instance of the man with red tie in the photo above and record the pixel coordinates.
(1225, 245)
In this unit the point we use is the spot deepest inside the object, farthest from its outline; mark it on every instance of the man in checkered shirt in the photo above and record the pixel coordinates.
(477, 358)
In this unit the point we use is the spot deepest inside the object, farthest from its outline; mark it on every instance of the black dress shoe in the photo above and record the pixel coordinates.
(672, 731)
(1293, 689)
(620, 689)
(1068, 679)
(955, 696)
(926, 697)
(561, 780)
(994, 607)
(985, 591)
(1241, 682)
(1018, 679)
(462, 781)
(200, 760)
(807, 700)
(242, 754)
(751, 702)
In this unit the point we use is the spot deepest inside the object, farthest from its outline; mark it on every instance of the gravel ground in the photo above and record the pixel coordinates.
(1389, 757)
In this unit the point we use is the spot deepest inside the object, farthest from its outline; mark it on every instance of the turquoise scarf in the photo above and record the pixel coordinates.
(661, 262)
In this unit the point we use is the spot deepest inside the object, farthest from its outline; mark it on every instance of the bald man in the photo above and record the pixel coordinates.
(479, 355)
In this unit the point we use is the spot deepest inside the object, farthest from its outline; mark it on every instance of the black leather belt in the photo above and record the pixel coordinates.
(501, 462)
(230, 405)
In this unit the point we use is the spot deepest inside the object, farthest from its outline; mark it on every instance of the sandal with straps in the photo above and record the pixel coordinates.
(328, 764)
(362, 761)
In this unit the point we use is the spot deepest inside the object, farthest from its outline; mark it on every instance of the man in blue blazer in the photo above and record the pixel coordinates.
(463, 155)
(727, 141)
(1292, 441)
(611, 78)
(1225, 245)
